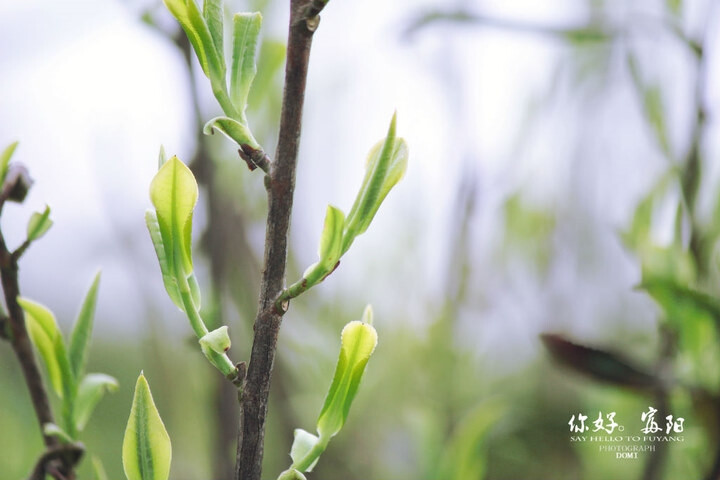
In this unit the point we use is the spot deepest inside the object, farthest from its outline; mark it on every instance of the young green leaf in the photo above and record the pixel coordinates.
(212, 61)
(386, 165)
(232, 129)
(246, 29)
(213, 14)
(330, 250)
(162, 157)
(80, 336)
(39, 224)
(174, 193)
(91, 390)
(303, 444)
(146, 450)
(291, 474)
(5, 157)
(46, 337)
(217, 340)
(358, 341)
(167, 272)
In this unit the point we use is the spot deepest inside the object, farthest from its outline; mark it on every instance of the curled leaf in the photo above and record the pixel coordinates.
(217, 340)
(232, 129)
(302, 445)
(357, 343)
(171, 285)
(146, 450)
(386, 165)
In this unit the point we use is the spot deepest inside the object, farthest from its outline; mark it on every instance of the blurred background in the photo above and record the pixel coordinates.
(562, 154)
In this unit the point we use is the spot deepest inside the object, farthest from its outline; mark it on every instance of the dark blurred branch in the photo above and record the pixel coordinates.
(63, 454)
(280, 186)
(15, 188)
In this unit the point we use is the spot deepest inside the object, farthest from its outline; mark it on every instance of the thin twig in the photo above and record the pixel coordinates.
(280, 185)
(54, 460)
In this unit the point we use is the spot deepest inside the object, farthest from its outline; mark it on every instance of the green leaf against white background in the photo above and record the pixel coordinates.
(386, 165)
(146, 451)
(191, 20)
(39, 224)
(246, 29)
(174, 193)
(358, 341)
(82, 330)
(234, 130)
(46, 337)
(5, 157)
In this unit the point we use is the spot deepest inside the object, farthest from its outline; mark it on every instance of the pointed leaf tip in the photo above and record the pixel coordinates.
(146, 451)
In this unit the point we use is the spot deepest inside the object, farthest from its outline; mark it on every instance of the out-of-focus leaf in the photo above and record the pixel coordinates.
(5, 157)
(146, 450)
(39, 224)
(246, 28)
(680, 302)
(80, 337)
(598, 364)
(269, 65)
(386, 165)
(463, 457)
(670, 262)
(54, 430)
(653, 107)
(358, 341)
(174, 193)
(675, 6)
(232, 129)
(167, 272)
(291, 474)
(46, 337)
(91, 390)
(98, 469)
(302, 445)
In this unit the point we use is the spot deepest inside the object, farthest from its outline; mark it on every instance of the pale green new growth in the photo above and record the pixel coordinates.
(90, 391)
(79, 393)
(5, 157)
(46, 337)
(357, 343)
(53, 430)
(80, 336)
(174, 193)
(146, 450)
(39, 224)
(233, 129)
(246, 29)
(386, 165)
(217, 341)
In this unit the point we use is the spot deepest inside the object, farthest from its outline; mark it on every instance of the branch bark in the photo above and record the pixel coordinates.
(21, 345)
(280, 185)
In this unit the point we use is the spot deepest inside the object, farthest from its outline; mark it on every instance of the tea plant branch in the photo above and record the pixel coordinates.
(17, 334)
(67, 453)
(280, 185)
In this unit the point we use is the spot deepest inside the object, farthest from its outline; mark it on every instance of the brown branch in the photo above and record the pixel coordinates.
(21, 345)
(280, 185)
(55, 459)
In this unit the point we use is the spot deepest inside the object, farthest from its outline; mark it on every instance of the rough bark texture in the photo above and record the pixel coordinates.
(280, 184)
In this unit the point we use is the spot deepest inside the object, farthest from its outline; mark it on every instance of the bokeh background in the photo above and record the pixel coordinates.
(563, 152)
